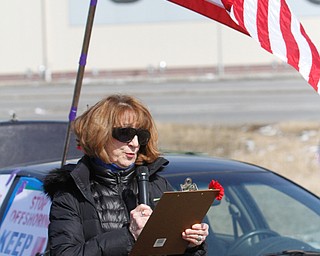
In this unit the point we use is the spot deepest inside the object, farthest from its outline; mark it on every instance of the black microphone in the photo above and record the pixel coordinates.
(143, 184)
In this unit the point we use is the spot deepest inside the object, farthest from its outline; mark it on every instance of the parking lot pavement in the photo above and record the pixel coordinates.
(183, 101)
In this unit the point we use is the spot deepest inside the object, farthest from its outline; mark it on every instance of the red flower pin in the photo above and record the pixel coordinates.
(216, 185)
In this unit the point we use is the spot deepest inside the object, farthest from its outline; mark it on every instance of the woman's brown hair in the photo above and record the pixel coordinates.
(94, 127)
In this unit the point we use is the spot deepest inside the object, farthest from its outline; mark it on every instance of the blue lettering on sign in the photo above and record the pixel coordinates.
(3, 239)
(14, 243)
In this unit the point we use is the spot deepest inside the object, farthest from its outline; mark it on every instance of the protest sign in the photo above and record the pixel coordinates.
(24, 228)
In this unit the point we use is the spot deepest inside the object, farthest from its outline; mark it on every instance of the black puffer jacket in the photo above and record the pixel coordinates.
(76, 224)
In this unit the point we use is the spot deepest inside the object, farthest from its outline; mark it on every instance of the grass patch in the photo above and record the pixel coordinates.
(290, 149)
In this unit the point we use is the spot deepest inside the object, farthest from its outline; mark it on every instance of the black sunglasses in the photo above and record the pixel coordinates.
(127, 134)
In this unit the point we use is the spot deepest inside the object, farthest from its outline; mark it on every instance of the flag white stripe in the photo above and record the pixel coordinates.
(216, 2)
(250, 9)
(231, 13)
(277, 44)
(305, 60)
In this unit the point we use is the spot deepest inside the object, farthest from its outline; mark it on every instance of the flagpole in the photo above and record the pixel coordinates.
(79, 79)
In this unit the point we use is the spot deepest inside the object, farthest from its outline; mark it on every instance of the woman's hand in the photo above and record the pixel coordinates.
(196, 235)
(138, 218)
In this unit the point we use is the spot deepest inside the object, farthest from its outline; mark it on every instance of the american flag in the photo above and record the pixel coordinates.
(272, 24)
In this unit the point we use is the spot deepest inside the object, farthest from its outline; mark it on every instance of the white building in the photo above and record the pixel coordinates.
(45, 37)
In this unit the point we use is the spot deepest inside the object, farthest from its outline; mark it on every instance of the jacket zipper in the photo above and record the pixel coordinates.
(120, 190)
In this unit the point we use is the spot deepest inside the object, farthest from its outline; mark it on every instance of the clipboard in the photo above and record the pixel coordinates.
(175, 212)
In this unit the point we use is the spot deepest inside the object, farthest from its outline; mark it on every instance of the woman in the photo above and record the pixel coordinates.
(95, 210)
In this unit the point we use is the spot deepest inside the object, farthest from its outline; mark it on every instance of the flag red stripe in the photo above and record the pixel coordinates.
(292, 47)
(211, 11)
(262, 25)
(239, 14)
(315, 68)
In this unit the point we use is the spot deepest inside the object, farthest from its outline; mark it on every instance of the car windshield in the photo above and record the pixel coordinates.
(259, 209)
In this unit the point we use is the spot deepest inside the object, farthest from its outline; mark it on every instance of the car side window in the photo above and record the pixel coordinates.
(23, 230)
(277, 207)
(221, 219)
